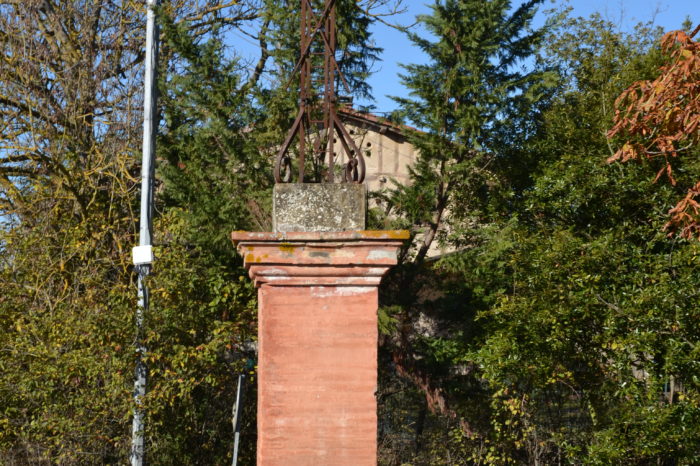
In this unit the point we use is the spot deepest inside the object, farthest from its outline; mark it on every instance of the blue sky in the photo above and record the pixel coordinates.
(668, 14)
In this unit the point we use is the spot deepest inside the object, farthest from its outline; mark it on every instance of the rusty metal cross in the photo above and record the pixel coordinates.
(317, 126)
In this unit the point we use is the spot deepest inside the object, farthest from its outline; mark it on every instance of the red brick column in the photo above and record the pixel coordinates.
(317, 343)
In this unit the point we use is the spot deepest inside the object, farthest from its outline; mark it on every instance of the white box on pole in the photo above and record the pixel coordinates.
(142, 255)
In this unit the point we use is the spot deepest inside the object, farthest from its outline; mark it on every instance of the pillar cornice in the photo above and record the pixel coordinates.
(347, 258)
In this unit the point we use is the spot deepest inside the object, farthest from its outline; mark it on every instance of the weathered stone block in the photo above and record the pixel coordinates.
(319, 207)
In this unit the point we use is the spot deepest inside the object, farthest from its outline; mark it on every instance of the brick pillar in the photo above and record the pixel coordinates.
(317, 342)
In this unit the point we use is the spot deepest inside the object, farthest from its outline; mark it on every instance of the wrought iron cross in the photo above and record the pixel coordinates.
(317, 126)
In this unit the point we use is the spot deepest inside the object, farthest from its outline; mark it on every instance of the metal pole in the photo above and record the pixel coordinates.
(237, 415)
(143, 255)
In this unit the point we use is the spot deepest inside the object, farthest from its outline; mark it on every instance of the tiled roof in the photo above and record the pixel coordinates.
(352, 114)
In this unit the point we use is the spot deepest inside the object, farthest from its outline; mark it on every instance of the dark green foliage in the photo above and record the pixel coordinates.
(212, 171)
(562, 329)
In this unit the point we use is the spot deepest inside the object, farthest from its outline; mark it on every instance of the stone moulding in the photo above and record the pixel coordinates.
(347, 258)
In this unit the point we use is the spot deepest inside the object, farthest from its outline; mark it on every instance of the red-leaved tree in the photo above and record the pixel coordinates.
(660, 118)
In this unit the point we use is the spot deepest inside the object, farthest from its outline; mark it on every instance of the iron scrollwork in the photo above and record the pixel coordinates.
(317, 127)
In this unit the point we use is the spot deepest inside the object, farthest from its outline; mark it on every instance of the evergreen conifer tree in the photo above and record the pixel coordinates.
(470, 85)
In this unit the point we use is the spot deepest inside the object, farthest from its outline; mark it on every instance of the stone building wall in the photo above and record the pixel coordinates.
(385, 147)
